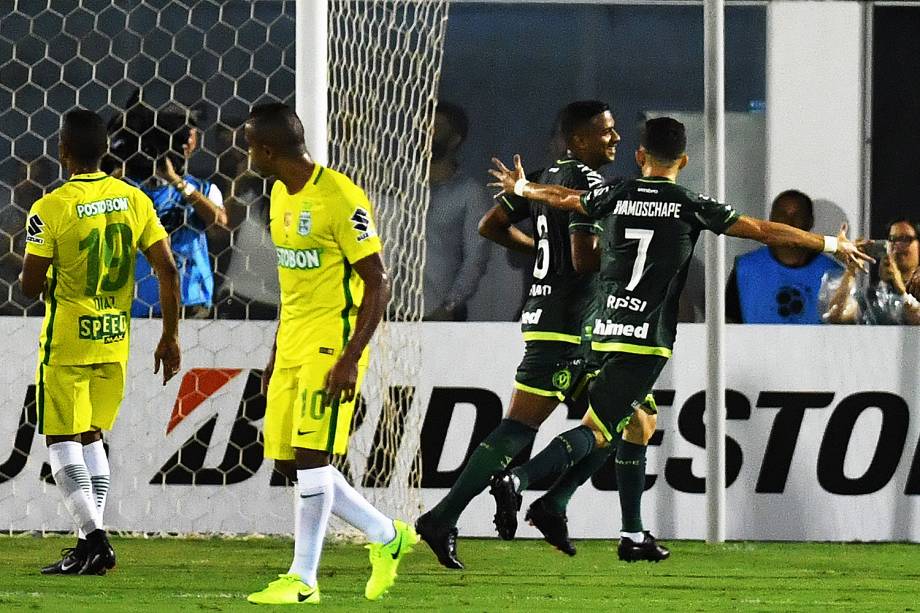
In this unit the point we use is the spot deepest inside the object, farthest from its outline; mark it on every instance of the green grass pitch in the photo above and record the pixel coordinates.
(156, 575)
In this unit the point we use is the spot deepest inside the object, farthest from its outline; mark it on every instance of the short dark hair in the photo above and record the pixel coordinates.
(799, 197)
(456, 117)
(903, 219)
(83, 134)
(664, 138)
(576, 115)
(277, 124)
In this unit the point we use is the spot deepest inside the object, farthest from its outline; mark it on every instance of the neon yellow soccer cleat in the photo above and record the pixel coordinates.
(286, 589)
(385, 559)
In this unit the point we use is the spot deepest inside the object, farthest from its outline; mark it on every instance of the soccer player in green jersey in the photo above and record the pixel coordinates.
(560, 303)
(650, 227)
(81, 244)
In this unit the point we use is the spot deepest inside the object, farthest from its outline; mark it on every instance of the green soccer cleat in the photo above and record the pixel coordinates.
(385, 559)
(286, 589)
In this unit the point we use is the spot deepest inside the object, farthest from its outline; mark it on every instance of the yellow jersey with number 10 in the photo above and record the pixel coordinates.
(91, 227)
(319, 232)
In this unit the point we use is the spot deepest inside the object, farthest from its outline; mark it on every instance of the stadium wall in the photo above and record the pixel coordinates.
(822, 442)
(815, 115)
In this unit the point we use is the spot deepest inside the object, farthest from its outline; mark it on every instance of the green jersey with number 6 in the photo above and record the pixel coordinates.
(91, 227)
(560, 301)
(651, 226)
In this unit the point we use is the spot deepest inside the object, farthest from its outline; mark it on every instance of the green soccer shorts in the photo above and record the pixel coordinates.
(551, 368)
(621, 387)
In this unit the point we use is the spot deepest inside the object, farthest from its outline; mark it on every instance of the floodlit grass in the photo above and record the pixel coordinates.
(216, 574)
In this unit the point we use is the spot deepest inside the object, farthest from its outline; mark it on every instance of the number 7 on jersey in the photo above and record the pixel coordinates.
(645, 239)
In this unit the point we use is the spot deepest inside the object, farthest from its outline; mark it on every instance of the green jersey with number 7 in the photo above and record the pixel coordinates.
(651, 226)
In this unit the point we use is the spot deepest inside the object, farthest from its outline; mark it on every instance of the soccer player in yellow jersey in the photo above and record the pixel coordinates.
(334, 290)
(81, 241)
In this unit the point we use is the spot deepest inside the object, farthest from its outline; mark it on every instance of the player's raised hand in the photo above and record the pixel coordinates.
(167, 171)
(167, 353)
(506, 177)
(340, 381)
(849, 252)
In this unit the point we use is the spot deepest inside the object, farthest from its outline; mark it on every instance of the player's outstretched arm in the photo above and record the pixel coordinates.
(161, 260)
(776, 234)
(34, 271)
(515, 182)
(496, 226)
(342, 377)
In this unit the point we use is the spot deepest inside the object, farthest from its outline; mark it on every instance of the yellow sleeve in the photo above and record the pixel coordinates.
(40, 239)
(152, 230)
(355, 231)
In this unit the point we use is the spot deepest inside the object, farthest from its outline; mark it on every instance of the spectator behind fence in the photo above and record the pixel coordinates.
(455, 255)
(155, 162)
(779, 285)
(885, 294)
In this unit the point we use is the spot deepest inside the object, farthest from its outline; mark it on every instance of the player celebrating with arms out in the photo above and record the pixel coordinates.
(561, 302)
(81, 242)
(651, 226)
(334, 290)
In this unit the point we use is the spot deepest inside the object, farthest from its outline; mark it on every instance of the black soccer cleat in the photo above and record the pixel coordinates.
(71, 562)
(100, 557)
(648, 550)
(441, 539)
(507, 504)
(554, 526)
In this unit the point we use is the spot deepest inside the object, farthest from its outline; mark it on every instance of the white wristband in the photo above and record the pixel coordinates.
(830, 244)
(519, 186)
(188, 189)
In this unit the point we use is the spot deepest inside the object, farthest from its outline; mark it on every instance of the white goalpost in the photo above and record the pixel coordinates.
(363, 75)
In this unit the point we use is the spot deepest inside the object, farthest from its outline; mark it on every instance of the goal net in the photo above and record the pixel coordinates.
(188, 457)
(384, 65)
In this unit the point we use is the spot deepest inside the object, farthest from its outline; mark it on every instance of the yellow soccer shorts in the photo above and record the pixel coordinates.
(78, 398)
(295, 415)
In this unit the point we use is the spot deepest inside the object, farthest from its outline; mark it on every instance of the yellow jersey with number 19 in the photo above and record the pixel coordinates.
(91, 227)
(319, 232)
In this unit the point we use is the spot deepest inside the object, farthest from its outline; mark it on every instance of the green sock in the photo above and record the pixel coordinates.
(557, 498)
(630, 467)
(562, 453)
(492, 455)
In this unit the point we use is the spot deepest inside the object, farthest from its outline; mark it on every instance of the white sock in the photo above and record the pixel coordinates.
(635, 537)
(313, 507)
(97, 464)
(72, 478)
(351, 506)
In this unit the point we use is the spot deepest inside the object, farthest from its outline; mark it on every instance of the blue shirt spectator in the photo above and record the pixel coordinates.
(779, 285)
(189, 246)
(152, 148)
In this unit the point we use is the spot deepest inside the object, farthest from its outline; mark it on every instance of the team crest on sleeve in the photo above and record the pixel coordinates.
(304, 223)
(33, 229)
(361, 221)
